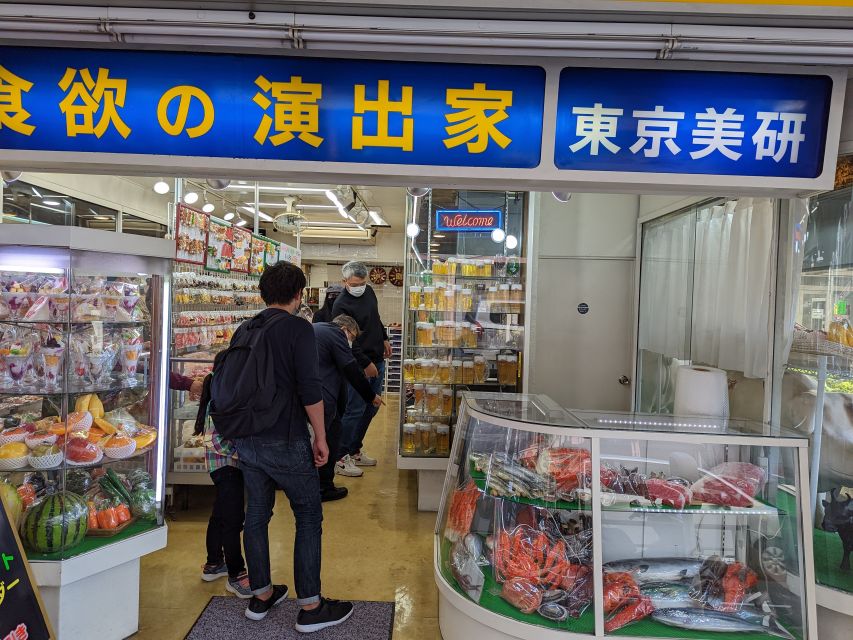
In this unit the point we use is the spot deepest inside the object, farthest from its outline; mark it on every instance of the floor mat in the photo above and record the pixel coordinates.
(224, 618)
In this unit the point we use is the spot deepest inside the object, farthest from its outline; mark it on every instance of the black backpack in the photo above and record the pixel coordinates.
(244, 400)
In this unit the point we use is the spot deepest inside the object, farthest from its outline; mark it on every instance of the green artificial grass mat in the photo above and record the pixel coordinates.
(92, 543)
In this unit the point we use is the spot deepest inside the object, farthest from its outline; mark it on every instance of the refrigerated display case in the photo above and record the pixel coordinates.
(464, 322)
(557, 523)
(84, 343)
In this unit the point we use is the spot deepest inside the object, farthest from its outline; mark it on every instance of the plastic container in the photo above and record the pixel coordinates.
(442, 439)
(425, 334)
(445, 372)
(426, 438)
(415, 297)
(456, 365)
(465, 301)
(480, 369)
(420, 394)
(410, 437)
(468, 372)
(430, 369)
(409, 369)
(446, 401)
(429, 298)
(433, 400)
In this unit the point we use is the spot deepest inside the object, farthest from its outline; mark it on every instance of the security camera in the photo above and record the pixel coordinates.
(251, 15)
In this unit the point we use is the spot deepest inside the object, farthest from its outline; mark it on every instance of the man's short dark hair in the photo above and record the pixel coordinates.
(281, 283)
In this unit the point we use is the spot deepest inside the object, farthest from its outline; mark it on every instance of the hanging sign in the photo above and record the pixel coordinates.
(271, 107)
(692, 122)
(468, 220)
(291, 254)
(22, 614)
(241, 248)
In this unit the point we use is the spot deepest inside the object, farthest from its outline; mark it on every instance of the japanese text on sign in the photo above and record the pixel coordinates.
(271, 108)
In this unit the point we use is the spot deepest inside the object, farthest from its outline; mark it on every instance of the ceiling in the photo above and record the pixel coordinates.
(310, 202)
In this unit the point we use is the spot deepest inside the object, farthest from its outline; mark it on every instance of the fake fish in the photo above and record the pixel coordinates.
(656, 569)
(699, 619)
(668, 595)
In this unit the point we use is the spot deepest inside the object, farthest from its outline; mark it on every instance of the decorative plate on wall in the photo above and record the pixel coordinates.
(395, 276)
(378, 275)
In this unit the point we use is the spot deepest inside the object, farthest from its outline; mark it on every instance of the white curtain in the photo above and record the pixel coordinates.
(665, 286)
(732, 283)
(790, 288)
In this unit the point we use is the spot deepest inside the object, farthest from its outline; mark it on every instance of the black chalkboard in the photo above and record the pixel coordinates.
(22, 615)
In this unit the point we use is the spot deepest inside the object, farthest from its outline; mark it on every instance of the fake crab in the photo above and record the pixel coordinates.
(533, 555)
(463, 503)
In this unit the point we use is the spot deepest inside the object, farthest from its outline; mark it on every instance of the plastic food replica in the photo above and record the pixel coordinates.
(518, 538)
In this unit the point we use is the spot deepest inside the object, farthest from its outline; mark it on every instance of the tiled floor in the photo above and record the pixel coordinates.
(376, 546)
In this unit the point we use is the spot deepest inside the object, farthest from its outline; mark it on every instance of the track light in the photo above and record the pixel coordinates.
(561, 196)
(418, 192)
(229, 216)
(161, 187)
(241, 222)
(208, 207)
(191, 197)
(498, 235)
(413, 229)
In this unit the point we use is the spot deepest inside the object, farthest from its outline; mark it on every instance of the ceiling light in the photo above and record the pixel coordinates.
(191, 197)
(438, 235)
(161, 187)
(52, 203)
(208, 207)
(378, 220)
(418, 192)
(511, 242)
(412, 229)
(102, 218)
(290, 189)
(36, 192)
(561, 196)
(10, 176)
(241, 222)
(229, 216)
(305, 206)
(264, 216)
(218, 183)
(498, 235)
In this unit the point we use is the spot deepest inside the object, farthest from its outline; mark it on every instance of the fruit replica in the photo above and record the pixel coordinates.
(77, 481)
(12, 450)
(90, 402)
(14, 505)
(58, 520)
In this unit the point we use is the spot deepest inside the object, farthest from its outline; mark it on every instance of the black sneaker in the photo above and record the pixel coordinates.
(333, 493)
(258, 609)
(328, 614)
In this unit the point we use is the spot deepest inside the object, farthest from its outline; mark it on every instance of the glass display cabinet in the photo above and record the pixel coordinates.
(558, 523)
(464, 324)
(84, 333)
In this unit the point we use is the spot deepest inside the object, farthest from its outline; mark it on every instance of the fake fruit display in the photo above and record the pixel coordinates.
(119, 446)
(59, 520)
(145, 439)
(79, 421)
(77, 481)
(12, 450)
(81, 451)
(90, 402)
(38, 438)
(12, 501)
(105, 426)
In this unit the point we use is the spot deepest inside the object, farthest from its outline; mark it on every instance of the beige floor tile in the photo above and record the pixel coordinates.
(376, 546)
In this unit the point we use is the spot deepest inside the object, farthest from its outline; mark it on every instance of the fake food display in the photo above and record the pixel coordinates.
(692, 535)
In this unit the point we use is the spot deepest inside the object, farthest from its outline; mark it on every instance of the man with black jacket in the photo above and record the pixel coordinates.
(336, 363)
(370, 350)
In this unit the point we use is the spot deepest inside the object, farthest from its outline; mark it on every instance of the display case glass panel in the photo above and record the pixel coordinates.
(82, 385)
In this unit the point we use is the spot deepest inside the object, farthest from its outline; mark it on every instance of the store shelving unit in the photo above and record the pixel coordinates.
(596, 526)
(87, 310)
(394, 364)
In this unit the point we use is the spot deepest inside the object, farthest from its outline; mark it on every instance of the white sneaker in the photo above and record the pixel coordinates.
(363, 460)
(346, 467)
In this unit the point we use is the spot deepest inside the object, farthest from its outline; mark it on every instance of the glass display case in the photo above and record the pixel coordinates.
(814, 347)
(83, 355)
(556, 522)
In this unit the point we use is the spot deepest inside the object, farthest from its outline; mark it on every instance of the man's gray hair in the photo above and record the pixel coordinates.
(347, 322)
(354, 268)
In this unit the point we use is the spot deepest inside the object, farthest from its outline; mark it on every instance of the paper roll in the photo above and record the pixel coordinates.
(701, 391)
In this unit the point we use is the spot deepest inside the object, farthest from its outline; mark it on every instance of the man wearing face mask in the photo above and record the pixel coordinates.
(337, 363)
(370, 349)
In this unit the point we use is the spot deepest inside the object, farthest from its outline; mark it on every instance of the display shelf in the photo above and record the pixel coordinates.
(413, 347)
(75, 323)
(417, 278)
(422, 463)
(140, 381)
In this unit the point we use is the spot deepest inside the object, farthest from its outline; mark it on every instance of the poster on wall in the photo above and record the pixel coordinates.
(241, 249)
(291, 254)
(190, 235)
(256, 259)
(219, 245)
(270, 252)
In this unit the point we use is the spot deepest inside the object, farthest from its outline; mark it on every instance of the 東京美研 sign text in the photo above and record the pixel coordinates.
(696, 122)
(458, 220)
(265, 107)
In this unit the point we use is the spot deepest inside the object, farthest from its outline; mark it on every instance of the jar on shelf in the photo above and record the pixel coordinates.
(447, 337)
(488, 267)
(425, 334)
(456, 365)
(450, 299)
(442, 439)
(430, 369)
(507, 369)
(409, 369)
(465, 300)
(423, 313)
(504, 294)
(438, 267)
(419, 370)
(451, 266)
(429, 298)
(492, 295)
(420, 394)
(446, 401)
(410, 438)
(480, 369)
(426, 437)
(516, 295)
(440, 288)
(445, 372)
(433, 400)
(468, 372)
(501, 365)
(415, 297)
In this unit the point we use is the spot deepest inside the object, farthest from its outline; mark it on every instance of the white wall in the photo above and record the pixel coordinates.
(846, 145)
(110, 191)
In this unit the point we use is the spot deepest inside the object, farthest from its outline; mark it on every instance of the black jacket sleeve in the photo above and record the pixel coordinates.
(362, 358)
(355, 376)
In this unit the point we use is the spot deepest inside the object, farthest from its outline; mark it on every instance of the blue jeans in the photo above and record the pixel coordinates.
(359, 414)
(270, 463)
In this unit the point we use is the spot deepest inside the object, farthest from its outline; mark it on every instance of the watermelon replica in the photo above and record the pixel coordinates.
(60, 519)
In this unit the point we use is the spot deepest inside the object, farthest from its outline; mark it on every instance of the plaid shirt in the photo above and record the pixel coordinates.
(220, 453)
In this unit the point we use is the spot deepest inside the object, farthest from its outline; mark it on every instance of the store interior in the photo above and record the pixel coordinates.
(526, 327)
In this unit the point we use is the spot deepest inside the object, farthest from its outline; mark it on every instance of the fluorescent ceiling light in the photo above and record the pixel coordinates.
(25, 268)
(438, 235)
(41, 206)
(331, 195)
(308, 206)
(287, 189)
(378, 220)
(191, 197)
(102, 217)
(52, 203)
(161, 187)
(36, 192)
(261, 214)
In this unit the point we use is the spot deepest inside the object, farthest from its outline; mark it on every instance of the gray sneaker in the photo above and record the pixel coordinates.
(239, 586)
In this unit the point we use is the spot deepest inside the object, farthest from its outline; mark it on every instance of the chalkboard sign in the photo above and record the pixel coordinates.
(22, 615)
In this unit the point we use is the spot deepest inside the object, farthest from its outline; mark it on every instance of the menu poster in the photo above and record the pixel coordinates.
(291, 254)
(219, 245)
(190, 235)
(22, 614)
(256, 260)
(271, 252)
(242, 249)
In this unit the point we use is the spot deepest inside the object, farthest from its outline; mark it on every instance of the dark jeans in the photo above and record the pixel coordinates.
(226, 521)
(333, 439)
(269, 463)
(358, 415)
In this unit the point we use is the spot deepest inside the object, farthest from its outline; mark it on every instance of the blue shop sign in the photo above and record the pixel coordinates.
(468, 220)
(266, 107)
(693, 122)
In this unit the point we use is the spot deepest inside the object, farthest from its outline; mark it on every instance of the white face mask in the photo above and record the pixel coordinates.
(357, 291)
